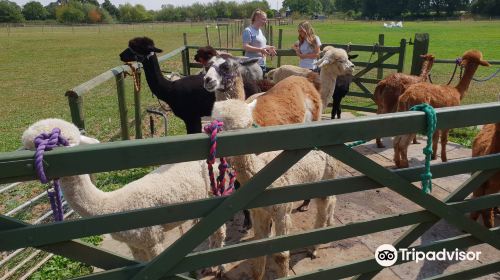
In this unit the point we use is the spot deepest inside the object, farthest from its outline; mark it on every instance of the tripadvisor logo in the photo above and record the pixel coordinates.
(387, 255)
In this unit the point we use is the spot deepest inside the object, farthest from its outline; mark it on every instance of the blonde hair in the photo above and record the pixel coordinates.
(310, 36)
(257, 12)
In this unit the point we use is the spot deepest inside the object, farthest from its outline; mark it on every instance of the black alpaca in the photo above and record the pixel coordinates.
(187, 97)
(341, 89)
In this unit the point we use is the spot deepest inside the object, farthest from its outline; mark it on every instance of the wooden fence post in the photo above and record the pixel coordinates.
(185, 57)
(122, 105)
(280, 37)
(420, 46)
(137, 106)
(380, 70)
(76, 109)
(206, 34)
(402, 52)
(227, 37)
(218, 32)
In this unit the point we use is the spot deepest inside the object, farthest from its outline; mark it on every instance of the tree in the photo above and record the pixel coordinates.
(303, 6)
(34, 11)
(112, 9)
(10, 12)
(348, 5)
(69, 14)
(486, 7)
(137, 13)
(51, 9)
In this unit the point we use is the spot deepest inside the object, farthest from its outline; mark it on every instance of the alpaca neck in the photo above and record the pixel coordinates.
(495, 145)
(158, 85)
(83, 196)
(426, 68)
(234, 90)
(246, 166)
(328, 78)
(464, 83)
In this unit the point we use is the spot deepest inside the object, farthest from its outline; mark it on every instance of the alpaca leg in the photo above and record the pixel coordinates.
(403, 149)
(488, 213)
(216, 240)
(261, 228)
(435, 140)
(139, 254)
(379, 140)
(415, 140)
(397, 154)
(336, 106)
(193, 125)
(444, 141)
(283, 223)
(325, 217)
(155, 250)
(247, 221)
(477, 193)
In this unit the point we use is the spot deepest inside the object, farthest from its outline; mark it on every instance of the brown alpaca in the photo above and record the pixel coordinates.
(293, 100)
(487, 142)
(437, 96)
(389, 89)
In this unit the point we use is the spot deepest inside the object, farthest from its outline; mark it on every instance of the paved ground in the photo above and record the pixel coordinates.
(363, 206)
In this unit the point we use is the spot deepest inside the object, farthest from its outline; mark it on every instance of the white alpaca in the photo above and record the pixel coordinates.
(333, 63)
(293, 100)
(315, 166)
(171, 183)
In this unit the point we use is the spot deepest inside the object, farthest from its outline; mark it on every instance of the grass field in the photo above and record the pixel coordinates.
(38, 64)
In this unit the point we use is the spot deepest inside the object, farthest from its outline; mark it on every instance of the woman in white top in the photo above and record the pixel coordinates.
(254, 41)
(307, 47)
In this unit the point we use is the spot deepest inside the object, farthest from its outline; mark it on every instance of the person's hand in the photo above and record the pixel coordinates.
(264, 52)
(271, 50)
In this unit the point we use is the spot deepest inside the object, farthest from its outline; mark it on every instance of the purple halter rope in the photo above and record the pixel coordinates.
(46, 142)
(219, 188)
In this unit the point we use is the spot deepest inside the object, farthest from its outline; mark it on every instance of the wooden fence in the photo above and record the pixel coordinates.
(296, 141)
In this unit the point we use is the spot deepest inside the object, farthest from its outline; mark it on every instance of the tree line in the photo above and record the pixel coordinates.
(90, 11)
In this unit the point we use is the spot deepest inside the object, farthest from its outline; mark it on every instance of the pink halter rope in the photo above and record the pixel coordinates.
(218, 189)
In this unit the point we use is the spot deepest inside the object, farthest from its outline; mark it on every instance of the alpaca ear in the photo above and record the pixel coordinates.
(155, 49)
(84, 140)
(352, 56)
(249, 61)
(484, 63)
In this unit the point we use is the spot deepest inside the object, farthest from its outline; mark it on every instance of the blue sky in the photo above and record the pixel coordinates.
(156, 4)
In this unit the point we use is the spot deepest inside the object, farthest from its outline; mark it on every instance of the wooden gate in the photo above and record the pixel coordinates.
(296, 141)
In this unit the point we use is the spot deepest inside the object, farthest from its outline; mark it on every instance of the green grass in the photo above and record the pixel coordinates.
(38, 67)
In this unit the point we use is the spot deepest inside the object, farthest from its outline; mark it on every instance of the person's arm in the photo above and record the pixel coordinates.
(247, 47)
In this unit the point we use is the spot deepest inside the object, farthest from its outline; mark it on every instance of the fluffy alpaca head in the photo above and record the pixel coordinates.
(336, 58)
(235, 114)
(204, 54)
(68, 130)
(139, 49)
(473, 57)
(223, 70)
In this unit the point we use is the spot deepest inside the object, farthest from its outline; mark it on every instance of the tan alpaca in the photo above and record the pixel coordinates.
(292, 100)
(315, 166)
(437, 96)
(487, 142)
(391, 87)
(334, 62)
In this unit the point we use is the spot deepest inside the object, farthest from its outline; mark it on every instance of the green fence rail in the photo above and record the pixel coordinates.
(296, 141)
